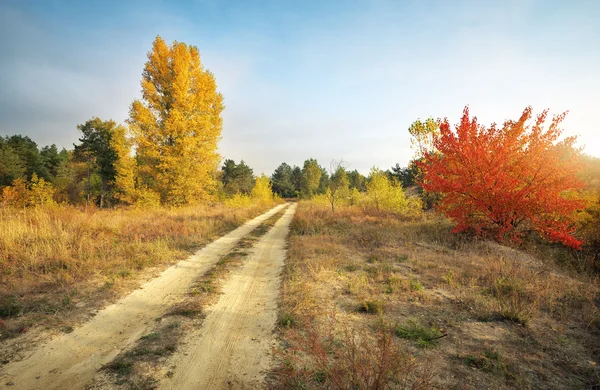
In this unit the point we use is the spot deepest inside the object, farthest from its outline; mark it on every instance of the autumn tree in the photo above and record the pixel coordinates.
(378, 187)
(505, 181)
(177, 124)
(423, 135)
(262, 192)
(338, 183)
(125, 168)
(589, 219)
(311, 178)
(17, 194)
(36, 192)
(41, 192)
(385, 194)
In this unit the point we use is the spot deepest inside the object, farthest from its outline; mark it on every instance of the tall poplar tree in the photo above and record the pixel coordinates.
(177, 125)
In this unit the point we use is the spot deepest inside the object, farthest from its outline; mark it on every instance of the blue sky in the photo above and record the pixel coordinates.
(322, 79)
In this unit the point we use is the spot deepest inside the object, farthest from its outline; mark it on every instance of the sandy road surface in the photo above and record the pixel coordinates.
(232, 349)
(71, 360)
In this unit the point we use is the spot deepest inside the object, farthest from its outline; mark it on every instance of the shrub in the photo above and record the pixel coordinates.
(37, 192)
(412, 330)
(262, 192)
(347, 360)
(513, 301)
(372, 307)
(239, 201)
(15, 195)
(388, 196)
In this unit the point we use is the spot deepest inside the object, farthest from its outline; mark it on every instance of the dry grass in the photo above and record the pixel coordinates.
(58, 265)
(466, 314)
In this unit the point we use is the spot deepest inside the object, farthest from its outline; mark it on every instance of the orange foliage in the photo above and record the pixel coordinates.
(505, 181)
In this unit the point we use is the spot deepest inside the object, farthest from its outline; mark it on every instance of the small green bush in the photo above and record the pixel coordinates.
(412, 330)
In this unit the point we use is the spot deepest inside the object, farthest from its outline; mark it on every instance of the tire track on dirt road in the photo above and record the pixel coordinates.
(71, 360)
(232, 349)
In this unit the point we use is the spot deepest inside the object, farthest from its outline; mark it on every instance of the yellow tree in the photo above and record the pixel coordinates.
(41, 192)
(16, 195)
(125, 169)
(386, 195)
(262, 191)
(422, 135)
(177, 124)
(338, 184)
(378, 188)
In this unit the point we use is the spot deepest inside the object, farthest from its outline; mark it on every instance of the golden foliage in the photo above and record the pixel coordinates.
(146, 198)
(125, 167)
(262, 192)
(238, 200)
(422, 135)
(38, 192)
(15, 195)
(385, 195)
(177, 124)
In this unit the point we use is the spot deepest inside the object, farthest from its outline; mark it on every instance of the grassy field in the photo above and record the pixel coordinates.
(58, 264)
(374, 301)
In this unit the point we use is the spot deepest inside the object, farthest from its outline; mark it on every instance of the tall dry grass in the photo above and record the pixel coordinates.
(465, 297)
(57, 248)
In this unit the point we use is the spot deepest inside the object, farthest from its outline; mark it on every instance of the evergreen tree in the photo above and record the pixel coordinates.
(52, 159)
(96, 150)
(11, 165)
(237, 178)
(282, 181)
(29, 154)
(297, 179)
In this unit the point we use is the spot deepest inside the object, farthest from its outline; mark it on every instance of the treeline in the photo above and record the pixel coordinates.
(295, 182)
(101, 170)
(95, 171)
(20, 158)
(166, 154)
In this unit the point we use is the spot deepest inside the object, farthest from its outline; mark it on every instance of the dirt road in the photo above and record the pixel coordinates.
(232, 349)
(70, 361)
